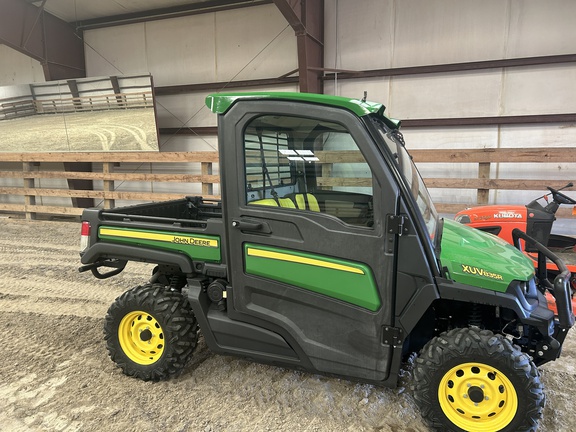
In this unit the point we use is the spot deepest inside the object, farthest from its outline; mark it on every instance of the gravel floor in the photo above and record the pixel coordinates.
(55, 374)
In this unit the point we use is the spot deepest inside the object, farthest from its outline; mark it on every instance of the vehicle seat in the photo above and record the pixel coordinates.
(282, 202)
(307, 202)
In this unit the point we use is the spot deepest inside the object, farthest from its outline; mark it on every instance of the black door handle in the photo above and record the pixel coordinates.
(247, 226)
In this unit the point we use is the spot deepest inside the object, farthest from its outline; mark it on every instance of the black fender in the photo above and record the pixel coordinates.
(537, 316)
(417, 307)
(103, 251)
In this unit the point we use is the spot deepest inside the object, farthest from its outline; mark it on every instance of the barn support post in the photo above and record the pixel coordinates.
(307, 20)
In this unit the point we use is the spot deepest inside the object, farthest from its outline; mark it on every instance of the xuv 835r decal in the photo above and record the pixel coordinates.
(480, 272)
(196, 246)
(348, 281)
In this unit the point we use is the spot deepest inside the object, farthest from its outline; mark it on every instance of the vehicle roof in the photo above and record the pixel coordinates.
(219, 103)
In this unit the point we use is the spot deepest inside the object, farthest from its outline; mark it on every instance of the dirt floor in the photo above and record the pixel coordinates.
(55, 374)
(114, 130)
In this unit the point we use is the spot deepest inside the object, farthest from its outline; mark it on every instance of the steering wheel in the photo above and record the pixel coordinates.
(560, 198)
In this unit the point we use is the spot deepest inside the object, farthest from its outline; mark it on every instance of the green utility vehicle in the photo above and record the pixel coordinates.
(326, 254)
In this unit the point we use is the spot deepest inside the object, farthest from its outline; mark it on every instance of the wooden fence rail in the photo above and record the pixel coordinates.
(30, 171)
(97, 102)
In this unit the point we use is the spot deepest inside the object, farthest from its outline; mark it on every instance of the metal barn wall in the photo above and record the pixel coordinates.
(240, 44)
(380, 34)
(17, 68)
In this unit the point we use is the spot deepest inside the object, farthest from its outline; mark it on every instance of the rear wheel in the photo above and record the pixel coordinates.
(150, 332)
(473, 380)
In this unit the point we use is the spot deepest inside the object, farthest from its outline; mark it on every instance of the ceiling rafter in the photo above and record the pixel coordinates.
(193, 8)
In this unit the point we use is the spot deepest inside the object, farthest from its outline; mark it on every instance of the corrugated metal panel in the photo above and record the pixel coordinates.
(540, 90)
(182, 50)
(359, 34)
(466, 94)
(449, 31)
(541, 28)
(116, 51)
(17, 68)
(245, 44)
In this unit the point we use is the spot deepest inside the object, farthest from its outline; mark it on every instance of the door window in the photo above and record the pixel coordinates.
(305, 164)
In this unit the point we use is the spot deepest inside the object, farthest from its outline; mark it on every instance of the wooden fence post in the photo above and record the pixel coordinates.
(483, 173)
(29, 200)
(108, 185)
(207, 188)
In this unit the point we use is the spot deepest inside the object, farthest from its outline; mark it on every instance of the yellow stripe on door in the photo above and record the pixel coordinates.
(302, 260)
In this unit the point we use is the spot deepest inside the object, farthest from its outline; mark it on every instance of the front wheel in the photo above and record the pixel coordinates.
(474, 380)
(150, 332)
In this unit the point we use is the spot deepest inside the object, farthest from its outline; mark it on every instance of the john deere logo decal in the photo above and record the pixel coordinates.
(160, 237)
(480, 272)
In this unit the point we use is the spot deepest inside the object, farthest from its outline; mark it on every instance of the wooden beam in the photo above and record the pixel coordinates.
(508, 155)
(20, 208)
(482, 157)
(123, 177)
(68, 193)
(201, 156)
(493, 155)
(513, 155)
(343, 182)
(499, 184)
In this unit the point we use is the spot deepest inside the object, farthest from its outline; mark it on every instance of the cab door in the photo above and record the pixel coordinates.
(306, 200)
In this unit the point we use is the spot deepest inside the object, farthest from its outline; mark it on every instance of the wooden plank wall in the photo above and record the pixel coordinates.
(482, 158)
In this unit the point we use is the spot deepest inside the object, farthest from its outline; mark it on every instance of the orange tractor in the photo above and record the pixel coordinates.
(534, 219)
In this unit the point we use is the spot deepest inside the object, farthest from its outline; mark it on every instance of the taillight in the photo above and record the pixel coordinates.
(85, 236)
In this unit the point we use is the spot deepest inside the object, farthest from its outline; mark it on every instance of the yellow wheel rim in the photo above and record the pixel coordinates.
(477, 397)
(141, 337)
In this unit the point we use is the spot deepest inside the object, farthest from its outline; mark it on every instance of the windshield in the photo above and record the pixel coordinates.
(395, 142)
